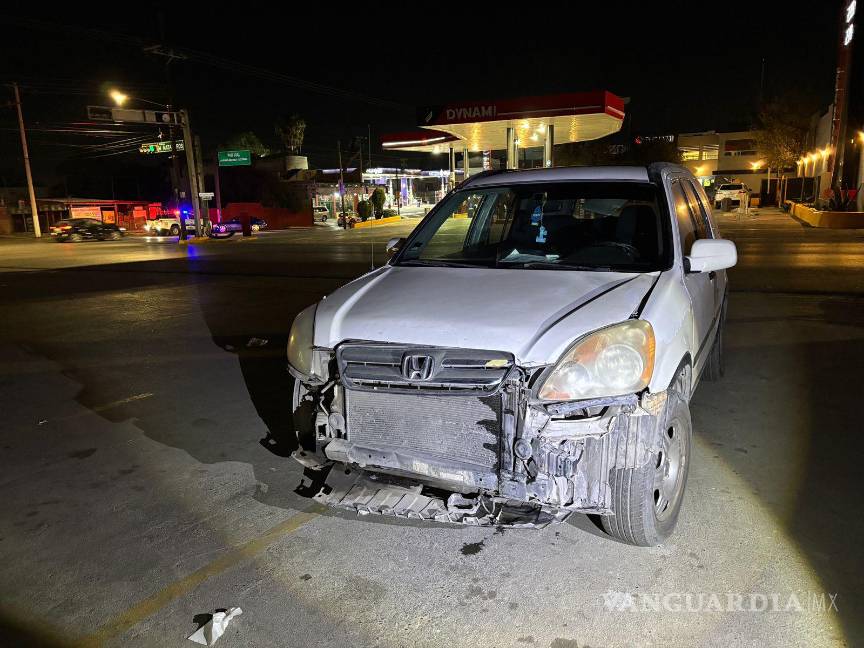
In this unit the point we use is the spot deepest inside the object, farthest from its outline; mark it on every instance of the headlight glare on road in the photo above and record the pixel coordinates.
(610, 362)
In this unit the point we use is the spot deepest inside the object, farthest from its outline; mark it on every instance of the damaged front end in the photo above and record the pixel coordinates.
(459, 435)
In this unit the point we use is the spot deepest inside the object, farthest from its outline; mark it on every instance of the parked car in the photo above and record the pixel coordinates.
(320, 213)
(533, 360)
(736, 192)
(256, 224)
(81, 229)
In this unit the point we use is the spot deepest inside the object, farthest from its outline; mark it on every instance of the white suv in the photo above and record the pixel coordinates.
(735, 192)
(529, 351)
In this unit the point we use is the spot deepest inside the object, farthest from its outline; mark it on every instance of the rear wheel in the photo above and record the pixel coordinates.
(76, 237)
(647, 500)
(116, 236)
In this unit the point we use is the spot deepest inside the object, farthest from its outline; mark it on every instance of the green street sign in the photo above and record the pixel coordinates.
(235, 158)
(160, 147)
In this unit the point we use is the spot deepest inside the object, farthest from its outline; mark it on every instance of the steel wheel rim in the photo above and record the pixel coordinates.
(669, 470)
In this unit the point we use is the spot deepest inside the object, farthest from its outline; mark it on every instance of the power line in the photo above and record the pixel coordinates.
(204, 59)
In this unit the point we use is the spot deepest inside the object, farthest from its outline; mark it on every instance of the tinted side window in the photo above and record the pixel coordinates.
(698, 209)
(687, 227)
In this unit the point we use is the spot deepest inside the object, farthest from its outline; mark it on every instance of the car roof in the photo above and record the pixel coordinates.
(560, 174)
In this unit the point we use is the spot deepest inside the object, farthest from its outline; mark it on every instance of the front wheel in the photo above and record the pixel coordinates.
(646, 501)
(175, 230)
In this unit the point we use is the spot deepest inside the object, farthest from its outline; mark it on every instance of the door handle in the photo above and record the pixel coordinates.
(712, 275)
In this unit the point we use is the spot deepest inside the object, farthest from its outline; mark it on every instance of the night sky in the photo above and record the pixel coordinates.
(686, 67)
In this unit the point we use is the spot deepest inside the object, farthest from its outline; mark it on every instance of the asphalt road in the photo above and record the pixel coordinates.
(143, 399)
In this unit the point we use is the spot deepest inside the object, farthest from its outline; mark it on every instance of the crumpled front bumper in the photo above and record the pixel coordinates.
(551, 460)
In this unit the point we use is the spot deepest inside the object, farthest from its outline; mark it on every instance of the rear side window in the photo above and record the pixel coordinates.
(697, 207)
(688, 228)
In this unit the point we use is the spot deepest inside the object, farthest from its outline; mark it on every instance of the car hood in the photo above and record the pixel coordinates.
(533, 314)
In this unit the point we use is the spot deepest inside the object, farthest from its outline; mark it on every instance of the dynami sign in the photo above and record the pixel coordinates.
(471, 112)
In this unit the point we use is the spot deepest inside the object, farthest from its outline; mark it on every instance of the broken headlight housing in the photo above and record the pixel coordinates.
(613, 361)
(306, 361)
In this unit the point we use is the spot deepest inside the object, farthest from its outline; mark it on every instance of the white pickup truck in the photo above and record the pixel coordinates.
(168, 225)
(531, 360)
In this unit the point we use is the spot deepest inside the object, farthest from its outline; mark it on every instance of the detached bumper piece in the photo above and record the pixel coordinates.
(370, 494)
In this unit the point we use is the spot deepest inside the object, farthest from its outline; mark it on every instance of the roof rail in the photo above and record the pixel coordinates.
(467, 181)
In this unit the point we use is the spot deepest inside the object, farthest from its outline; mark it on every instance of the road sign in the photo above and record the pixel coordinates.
(132, 115)
(161, 147)
(235, 158)
(205, 195)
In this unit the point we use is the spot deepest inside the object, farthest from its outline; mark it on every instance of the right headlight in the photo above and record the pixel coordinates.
(300, 341)
(306, 361)
(613, 361)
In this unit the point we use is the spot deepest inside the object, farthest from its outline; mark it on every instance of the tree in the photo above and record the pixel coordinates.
(364, 210)
(780, 137)
(377, 199)
(291, 131)
(247, 140)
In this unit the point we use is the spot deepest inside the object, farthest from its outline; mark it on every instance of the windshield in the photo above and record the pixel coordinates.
(576, 225)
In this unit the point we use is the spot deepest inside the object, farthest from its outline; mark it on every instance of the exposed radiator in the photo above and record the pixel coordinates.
(460, 428)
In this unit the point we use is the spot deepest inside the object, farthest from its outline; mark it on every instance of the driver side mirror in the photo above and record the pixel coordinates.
(707, 255)
(393, 246)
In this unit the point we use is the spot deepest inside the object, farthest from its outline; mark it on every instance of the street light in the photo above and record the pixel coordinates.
(118, 97)
(196, 183)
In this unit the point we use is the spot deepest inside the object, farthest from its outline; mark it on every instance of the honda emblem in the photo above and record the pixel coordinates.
(417, 367)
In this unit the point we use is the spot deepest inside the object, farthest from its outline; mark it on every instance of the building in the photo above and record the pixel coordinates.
(130, 214)
(719, 158)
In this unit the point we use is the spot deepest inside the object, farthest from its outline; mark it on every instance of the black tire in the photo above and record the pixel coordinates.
(715, 365)
(76, 238)
(116, 235)
(175, 230)
(647, 500)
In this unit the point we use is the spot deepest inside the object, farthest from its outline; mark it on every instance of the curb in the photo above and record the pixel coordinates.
(827, 219)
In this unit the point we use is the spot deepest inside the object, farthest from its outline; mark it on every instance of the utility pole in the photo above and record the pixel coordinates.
(191, 172)
(218, 190)
(175, 175)
(37, 229)
(360, 150)
(342, 185)
(199, 169)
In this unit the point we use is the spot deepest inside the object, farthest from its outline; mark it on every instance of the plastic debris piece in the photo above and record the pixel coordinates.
(207, 634)
(256, 342)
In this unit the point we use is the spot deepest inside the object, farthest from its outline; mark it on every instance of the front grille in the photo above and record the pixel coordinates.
(383, 367)
(463, 429)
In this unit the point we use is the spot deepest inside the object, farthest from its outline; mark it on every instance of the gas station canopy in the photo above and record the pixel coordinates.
(486, 125)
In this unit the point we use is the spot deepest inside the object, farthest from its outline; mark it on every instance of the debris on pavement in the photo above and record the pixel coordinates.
(207, 634)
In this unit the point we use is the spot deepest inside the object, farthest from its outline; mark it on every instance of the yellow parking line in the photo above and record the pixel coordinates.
(152, 604)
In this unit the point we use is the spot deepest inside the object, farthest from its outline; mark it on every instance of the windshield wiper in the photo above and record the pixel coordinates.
(440, 263)
(551, 265)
